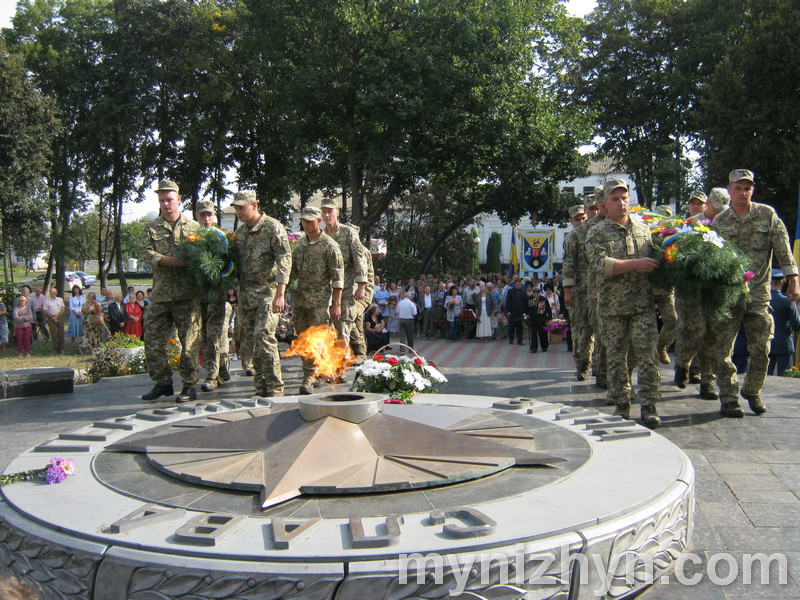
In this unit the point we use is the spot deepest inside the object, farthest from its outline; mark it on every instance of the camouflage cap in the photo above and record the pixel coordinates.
(205, 206)
(739, 174)
(244, 197)
(719, 199)
(613, 184)
(576, 210)
(329, 203)
(598, 194)
(311, 213)
(167, 185)
(664, 209)
(699, 195)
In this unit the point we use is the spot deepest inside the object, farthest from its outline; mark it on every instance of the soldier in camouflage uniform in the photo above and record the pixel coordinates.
(576, 275)
(355, 268)
(173, 301)
(266, 263)
(214, 324)
(319, 271)
(619, 253)
(599, 363)
(357, 341)
(759, 233)
(693, 353)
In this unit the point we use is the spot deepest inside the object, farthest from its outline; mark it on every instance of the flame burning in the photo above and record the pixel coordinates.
(320, 344)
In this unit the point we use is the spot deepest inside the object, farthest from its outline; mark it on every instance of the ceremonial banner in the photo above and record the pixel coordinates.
(513, 258)
(537, 249)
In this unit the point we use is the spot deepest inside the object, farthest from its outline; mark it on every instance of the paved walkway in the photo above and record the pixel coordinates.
(748, 470)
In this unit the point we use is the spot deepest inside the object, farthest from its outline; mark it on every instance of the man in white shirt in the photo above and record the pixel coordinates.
(406, 311)
(54, 309)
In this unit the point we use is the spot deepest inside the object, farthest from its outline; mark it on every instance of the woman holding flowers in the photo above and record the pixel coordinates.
(453, 304)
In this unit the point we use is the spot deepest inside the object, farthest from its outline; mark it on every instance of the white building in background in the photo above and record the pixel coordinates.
(599, 172)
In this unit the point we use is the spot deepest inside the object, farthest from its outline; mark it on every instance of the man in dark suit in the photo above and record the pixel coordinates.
(784, 312)
(515, 306)
(116, 315)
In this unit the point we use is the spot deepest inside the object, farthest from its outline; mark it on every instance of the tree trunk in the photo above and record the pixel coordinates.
(101, 249)
(123, 281)
(449, 230)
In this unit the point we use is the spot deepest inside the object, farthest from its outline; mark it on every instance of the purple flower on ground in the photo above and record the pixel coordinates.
(54, 475)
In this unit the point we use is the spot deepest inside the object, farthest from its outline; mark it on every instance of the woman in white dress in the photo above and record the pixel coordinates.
(484, 309)
(75, 325)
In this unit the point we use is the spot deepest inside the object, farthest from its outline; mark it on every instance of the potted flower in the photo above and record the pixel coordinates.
(557, 328)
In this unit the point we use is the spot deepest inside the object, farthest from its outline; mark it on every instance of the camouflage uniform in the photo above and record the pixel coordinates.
(626, 305)
(265, 252)
(357, 341)
(576, 276)
(692, 348)
(355, 272)
(599, 361)
(215, 337)
(173, 303)
(757, 234)
(665, 302)
(318, 269)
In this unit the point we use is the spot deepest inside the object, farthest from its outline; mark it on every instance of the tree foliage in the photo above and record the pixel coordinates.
(493, 250)
(27, 126)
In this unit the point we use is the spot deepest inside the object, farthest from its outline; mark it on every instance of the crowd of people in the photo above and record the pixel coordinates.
(481, 306)
(90, 320)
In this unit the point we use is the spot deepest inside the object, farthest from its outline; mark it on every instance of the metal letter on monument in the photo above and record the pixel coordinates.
(392, 536)
(479, 523)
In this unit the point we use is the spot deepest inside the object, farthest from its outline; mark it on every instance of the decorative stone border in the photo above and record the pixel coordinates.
(633, 497)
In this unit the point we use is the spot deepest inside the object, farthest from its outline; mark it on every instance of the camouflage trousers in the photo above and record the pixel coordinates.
(305, 317)
(357, 341)
(692, 349)
(345, 325)
(162, 317)
(582, 333)
(665, 302)
(759, 328)
(215, 337)
(599, 357)
(635, 335)
(242, 344)
(258, 325)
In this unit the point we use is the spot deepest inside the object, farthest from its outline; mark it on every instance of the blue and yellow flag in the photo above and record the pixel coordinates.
(513, 260)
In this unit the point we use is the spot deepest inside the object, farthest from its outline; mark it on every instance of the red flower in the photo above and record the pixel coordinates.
(431, 363)
(392, 360)
(192, 237)
(378, 357)
(419, 362)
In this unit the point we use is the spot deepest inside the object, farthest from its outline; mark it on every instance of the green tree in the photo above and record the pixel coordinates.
(132, 237)
(750, 117)
(630, 77)
(27, 125)
(493, 251)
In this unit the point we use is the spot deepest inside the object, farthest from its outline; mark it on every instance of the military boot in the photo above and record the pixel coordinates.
(224, 371)
(650, 416)
(695, 376)
(681, 377)
(307, 387)
(708, 392)
(623, 410)
(731, 410)
(188, 393)
(755, 402)
(158, 391)
(663, 356)
(209, 385)
(601, 381)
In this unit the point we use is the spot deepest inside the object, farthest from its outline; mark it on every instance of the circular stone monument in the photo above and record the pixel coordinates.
(339, 496)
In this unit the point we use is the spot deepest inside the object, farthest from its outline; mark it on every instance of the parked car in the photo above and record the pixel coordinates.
(70, 279)
(87, 279)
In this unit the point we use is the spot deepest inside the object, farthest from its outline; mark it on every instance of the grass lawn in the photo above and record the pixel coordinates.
(42, 355)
